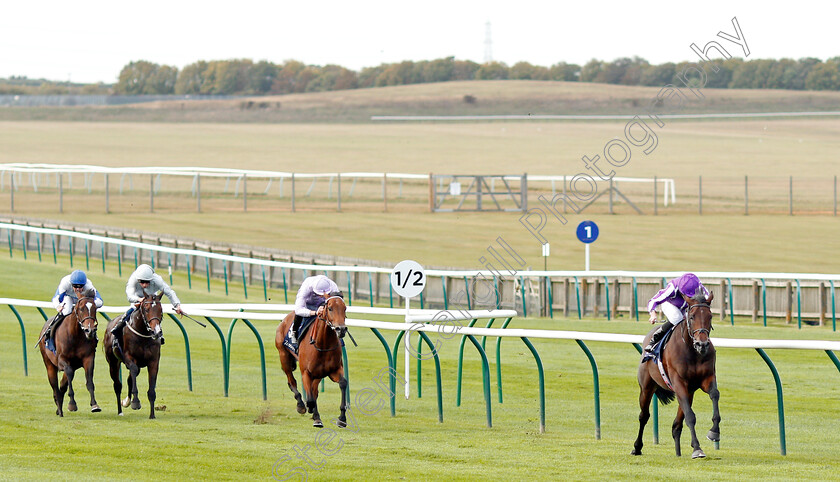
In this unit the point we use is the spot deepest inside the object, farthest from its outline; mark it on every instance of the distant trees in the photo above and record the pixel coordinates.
(244, 77)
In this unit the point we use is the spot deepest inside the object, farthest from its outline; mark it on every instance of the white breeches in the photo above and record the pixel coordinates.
(671, 312)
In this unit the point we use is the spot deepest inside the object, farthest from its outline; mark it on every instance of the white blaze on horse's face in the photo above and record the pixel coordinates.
(89, 305)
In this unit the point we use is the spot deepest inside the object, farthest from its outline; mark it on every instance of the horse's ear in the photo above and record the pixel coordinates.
(688, 300)
(711, 297)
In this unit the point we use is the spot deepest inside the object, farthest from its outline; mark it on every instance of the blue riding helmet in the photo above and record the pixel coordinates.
(78, 277)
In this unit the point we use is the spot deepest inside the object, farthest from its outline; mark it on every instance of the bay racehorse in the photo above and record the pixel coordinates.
(689, 363)
(140, 344)
(75, 347)
(319, 356)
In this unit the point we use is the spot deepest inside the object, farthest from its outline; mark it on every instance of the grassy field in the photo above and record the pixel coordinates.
(204, 435)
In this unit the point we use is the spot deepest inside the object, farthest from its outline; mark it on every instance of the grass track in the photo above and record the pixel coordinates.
(202, 434)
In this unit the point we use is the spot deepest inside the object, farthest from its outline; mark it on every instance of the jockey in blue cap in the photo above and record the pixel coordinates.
(70, 289)
(311, 297)
(672, 304)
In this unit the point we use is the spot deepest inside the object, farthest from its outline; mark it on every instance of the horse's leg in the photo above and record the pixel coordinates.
(70, 372)
(153, 371)
(88, 366)
(676, 429)
(288, 365)
(646, 389)
(62, 386)
(131, 396)
(690, 420)
(52, 377)
(710, 386)
(338, 377)
(114, 369)
(312, 399)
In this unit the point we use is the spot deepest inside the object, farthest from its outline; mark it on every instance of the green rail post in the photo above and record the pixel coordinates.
(496, 286)
(596, 388)
(779, 398)
(445, 298)
(22, 340)
(764, 299)
(484, 338)
(499, 359)
(607, 294)
(101, 254)
(186, 349)
(225, 373)
(244, 280)
(437, 371)
(265, 285)
(169, 258)
(207, 271)
(55, 256)
(485, 371)
(370, 288)
(87, 256)
(285, 289)
(135, 258)
(391, 377)
(70, 244)
(224, 266)
(542, 381)
(189, 272)
(262, 353)
(467, 291)
(461, 363)
(422, 300)
(9, 232)
(731, 306)
(391, 295)
(524, 301)
(799, 303)
(23, 244)
(38, 244)
(833, 308)
(577, 292)
(550, 290)
(419, 367)
(635, 299)
(437, 366)
(833, 358)
(655, 404)
(349, 290)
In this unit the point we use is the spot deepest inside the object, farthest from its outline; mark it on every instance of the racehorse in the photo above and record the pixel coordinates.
(75, 347)
(689, 364)
(319, 357)
(141, 337)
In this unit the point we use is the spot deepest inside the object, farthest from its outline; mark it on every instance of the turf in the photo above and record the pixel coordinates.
(203, 434)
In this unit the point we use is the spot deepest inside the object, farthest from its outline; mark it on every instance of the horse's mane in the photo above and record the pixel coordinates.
(337, 293)
(89, 293)
(699, 296)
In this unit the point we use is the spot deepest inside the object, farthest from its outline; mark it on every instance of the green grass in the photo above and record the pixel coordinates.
(204, 435)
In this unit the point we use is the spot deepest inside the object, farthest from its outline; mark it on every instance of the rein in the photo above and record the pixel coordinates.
(142, 316)
(329, 324)
(82, 319)
(692, 333)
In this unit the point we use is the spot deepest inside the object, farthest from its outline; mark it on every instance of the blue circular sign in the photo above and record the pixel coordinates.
(587, 232)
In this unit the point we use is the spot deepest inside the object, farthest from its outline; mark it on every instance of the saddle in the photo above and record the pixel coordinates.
(305, 324)
(656, 356)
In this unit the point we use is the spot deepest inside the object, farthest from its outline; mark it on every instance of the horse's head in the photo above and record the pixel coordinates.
(151, 313)
(334, 313)
(85, 311)
(699, 320)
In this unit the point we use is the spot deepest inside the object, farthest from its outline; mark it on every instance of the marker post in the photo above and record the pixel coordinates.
(408, 279)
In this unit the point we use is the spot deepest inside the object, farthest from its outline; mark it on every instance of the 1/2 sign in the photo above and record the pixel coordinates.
(408, 278)
(587, 232)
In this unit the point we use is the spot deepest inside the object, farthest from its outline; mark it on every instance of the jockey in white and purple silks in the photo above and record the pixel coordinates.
(311, 297)
(672, 304)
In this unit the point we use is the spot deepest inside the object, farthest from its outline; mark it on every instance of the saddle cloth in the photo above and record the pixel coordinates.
(656, 356)
(305, 323)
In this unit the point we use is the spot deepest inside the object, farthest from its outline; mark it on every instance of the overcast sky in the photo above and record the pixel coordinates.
(90, 41)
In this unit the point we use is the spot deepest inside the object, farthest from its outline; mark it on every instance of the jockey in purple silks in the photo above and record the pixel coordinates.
(672, 304)
(311, 297)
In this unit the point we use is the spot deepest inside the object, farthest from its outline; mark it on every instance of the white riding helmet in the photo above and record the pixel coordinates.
(322, 286)
(144, 272)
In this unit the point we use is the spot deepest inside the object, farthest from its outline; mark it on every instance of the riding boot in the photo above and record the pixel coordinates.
(658, 335)
(116, 334)
(294, 329)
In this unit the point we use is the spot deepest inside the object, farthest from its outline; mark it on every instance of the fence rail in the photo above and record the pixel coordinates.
(806, 298)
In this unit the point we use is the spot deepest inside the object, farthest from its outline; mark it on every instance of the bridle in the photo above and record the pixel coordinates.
(690, 318)
(146, 321)
(91, 312)
(329, 324)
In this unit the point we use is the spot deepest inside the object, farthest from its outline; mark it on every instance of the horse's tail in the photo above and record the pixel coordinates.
(664, 395)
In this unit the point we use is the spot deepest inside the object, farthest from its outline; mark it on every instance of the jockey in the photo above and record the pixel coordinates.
(311, 297)
(143, 282)
(70, 289)
(672, 304)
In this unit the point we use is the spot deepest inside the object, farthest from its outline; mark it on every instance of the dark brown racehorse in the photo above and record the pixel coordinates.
(689, 361)
(319, 357)
(140, 348)
(75, 347)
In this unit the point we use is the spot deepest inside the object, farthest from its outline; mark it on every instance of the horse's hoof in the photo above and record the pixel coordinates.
(152, 416)
(318, 424)
(636, 452)
(341, 423)
(121, 414)
(126, 401)
(95, 409)
(713, 436)
(301, 409)
(72, 406)
(59, 413)
(135, 404)
(698, 454)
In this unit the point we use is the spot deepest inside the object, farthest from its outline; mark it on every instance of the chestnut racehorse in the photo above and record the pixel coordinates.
(319, 357)
(140, 348)
(689, 363)
(75, 347)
